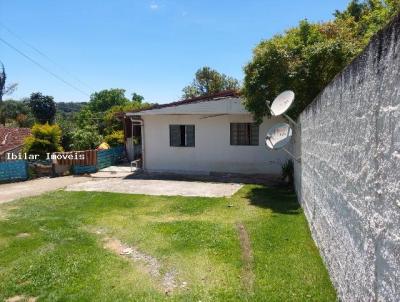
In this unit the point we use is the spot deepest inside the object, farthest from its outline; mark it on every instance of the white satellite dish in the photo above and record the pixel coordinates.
(282, 103)
(278, 136)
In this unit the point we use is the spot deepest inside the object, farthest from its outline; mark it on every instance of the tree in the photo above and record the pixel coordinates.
(111, 121)
(137, 98)
(45, 139)
(4, 90)
(116, 138)
(86, 138)
(16, 113)
(43, 107)
(68, 128)
(103, 100)
(306, 58)
(208, 81)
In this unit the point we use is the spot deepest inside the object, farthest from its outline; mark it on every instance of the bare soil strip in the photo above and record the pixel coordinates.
(247, 256)
(151, 264)
(21, 299)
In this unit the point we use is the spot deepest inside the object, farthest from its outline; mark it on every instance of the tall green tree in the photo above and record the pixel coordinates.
(16, 113)
(4, 90)
(306, 58)
(208, 81)
(103, 100)
(137, 98)
(43, 107)
(110, 119)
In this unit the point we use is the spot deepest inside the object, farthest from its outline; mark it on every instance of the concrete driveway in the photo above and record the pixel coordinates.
(158, 187)
(11, 191)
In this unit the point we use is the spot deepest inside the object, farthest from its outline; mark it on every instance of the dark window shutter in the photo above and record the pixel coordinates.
(174, 135)
(234, 134)
(254, 134)
(190, 136)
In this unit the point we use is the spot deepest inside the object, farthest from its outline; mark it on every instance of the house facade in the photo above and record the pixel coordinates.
(215, 134)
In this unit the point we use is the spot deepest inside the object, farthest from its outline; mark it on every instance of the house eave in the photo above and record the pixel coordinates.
(222, 106)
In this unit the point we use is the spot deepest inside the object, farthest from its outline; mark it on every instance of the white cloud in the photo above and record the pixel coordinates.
(154, 6)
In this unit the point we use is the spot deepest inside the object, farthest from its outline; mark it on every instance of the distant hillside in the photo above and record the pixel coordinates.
(68, 108)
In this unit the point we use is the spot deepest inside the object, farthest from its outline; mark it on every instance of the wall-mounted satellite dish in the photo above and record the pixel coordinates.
(278, 136)
(282, 103)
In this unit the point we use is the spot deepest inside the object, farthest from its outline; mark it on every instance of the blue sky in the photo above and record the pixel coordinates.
(149, 47)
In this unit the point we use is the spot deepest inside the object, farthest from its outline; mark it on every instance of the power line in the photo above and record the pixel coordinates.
(43, 68)
(45, 56)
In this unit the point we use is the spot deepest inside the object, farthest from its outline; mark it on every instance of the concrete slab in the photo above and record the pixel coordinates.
(12, 191)
(158, 187)
(120, 171)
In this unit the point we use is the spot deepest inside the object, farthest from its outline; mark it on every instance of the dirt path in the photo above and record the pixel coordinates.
(12, 191)
(152, 265)
(247, 257)
(158, 187)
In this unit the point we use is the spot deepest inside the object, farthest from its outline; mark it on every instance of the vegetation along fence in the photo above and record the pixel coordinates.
(13, 170)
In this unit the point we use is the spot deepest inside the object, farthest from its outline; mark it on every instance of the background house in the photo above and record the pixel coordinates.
(12, 140)
(202, 136)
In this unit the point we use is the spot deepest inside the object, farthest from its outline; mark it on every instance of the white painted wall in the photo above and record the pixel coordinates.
(212, 151)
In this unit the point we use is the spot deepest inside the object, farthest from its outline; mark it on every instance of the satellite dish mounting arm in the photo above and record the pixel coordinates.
(298, 159)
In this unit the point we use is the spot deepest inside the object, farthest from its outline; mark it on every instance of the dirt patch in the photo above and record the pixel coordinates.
(158, 187)
(23, 235)
(247, 256)
(151, 264)
(21, 299)
(5, 212)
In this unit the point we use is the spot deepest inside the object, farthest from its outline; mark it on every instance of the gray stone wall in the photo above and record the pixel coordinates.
(348, 181)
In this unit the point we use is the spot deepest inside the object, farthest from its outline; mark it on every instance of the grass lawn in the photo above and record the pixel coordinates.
(255, 246)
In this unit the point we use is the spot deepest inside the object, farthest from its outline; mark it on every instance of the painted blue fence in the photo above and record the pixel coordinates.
(83, 169)
(105, 158)
(13, 170)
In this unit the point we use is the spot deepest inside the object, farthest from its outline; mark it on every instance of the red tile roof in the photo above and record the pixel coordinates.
(204, 98)
(11, 138)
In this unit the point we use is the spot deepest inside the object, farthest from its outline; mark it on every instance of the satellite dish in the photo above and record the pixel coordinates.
(278, 136)
(282, 103)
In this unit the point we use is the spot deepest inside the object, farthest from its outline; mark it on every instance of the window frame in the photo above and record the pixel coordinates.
(250, 133)
(185, 135)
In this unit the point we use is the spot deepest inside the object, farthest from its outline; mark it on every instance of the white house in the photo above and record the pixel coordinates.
(201, 136)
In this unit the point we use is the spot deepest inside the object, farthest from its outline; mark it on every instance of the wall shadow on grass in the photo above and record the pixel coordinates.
(278, 200)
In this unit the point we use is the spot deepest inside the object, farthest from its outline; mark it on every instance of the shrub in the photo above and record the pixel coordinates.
(45, 139)
(86, 138)
(116, 138)
(288, 172)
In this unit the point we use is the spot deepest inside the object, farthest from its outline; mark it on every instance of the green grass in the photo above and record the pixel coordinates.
(63, 259)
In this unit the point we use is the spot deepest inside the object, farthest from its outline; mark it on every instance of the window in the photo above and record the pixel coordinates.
(245, 134)
(181, 135)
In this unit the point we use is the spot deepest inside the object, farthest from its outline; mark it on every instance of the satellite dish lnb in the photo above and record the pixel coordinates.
(282, 103)
(278, 136)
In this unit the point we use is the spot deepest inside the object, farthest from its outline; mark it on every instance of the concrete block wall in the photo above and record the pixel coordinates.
(348, 181)
(13, 170)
